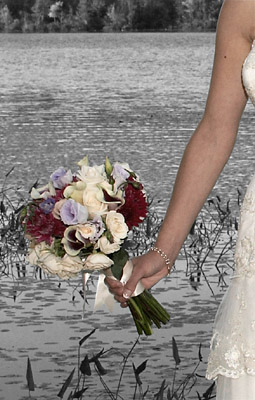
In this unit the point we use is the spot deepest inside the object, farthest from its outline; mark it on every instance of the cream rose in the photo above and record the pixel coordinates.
(92, 175)
(34, 252)
(57, 207)
(71, 266)
(93, 198)
(86, 231)
(96, 262)
(106, 246)
(65, 268)
(115, 222)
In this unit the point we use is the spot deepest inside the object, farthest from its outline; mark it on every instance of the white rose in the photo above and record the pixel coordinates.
(106, 246)
(41, 255)
(92, 175)
(115, 222)
(34, 253)
(65, 268)
(96, 262)
(70, 266)
(93, 199)
(49, 262)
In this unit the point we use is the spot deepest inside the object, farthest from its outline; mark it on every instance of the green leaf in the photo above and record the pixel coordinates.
(138, 371)
(96, 357)
(207, 394)
(77, 395)
(100, 368)
(86, 337)
(119, 258)
(58, 248)
(85, 367)
(175, 352)
(141, 367)
(137, 377)
(2, 207)
(199, 353)
(66, 384)
(29, 376)
(159, 395)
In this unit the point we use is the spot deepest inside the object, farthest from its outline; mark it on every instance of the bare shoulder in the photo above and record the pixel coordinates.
(235, 33)
(237, 18)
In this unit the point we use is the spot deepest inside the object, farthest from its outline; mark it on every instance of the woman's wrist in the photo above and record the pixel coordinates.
(166, 260)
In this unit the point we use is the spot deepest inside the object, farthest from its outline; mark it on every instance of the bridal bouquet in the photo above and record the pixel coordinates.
(78, 223)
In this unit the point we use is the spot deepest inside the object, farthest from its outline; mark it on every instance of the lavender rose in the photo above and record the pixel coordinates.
(61, 177)
(73, 213)
(120, 175)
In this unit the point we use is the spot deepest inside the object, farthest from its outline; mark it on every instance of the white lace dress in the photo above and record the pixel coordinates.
(233, 343)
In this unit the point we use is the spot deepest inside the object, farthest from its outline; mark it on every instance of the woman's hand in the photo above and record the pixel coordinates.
(148, 268)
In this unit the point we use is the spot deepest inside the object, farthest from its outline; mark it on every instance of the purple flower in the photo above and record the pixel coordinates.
(61, 177)
(120, 175)
(119, 170)
(47, 205)
(73, 213)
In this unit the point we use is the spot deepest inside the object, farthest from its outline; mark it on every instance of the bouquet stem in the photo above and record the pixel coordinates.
(146, 310)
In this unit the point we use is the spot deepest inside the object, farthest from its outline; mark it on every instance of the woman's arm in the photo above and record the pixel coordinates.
(208, 149)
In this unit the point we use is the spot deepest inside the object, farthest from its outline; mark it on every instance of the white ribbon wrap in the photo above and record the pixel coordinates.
(103, 296)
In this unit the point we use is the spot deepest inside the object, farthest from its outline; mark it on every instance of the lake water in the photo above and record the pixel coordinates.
(136, 98)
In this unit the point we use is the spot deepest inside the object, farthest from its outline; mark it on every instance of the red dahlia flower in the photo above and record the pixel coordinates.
(44, 227)
(135, 208)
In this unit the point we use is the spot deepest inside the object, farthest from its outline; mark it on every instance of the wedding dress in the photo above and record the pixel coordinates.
(232, 355)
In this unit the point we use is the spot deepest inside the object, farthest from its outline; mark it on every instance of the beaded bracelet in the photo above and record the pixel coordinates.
(164, 256)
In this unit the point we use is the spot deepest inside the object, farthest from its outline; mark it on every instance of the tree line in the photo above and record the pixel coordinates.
(108, 15)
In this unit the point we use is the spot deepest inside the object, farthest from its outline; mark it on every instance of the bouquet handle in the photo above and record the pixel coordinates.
(103, 296)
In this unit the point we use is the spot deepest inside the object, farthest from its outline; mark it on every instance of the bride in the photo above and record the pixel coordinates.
(232, 357)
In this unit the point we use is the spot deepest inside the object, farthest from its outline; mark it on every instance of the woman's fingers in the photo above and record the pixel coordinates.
(112, 283)
(121, 300)
(115, 287)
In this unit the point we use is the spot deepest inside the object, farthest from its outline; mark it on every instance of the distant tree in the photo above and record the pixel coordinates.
(202, 14)
(93, 14)
(70, 6)
(119, 15)
(212, 10)
(56, 10)
(40, 11)
(5, 19)
(154, 14)
(16, 7)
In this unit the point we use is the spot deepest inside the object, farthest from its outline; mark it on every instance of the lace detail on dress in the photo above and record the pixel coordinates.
(237, 359)
(232, 345)
(248, 205)
(233, 342)
(248, 74)
(245, 259)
